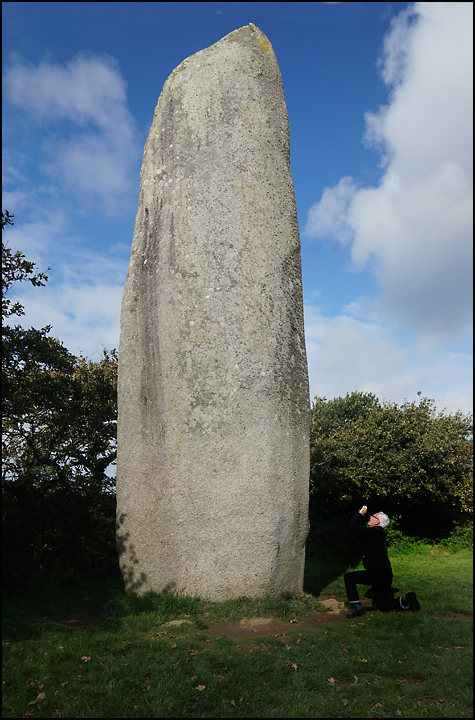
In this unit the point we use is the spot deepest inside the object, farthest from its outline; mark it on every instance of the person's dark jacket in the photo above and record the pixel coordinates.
(374, 547)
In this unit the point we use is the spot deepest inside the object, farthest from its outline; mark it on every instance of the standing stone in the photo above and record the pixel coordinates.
(213, 429)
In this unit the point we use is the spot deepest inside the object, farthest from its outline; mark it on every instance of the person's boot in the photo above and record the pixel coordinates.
(409, 601)
(356, 610)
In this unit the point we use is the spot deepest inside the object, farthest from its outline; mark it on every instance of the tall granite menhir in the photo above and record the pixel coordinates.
(213, 430)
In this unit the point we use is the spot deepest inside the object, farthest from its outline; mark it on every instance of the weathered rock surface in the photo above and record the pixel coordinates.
(213, 429)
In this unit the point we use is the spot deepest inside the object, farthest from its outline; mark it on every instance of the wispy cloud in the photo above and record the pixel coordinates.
(85, 317)
(95, 150)
(86, 166)
(415, 228)
(82, 297)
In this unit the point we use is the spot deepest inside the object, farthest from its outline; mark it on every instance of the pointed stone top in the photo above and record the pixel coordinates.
(248, 36)
(231, 75)
(247, 32)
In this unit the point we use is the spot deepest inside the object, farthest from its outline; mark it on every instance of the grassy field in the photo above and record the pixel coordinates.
(133, 665)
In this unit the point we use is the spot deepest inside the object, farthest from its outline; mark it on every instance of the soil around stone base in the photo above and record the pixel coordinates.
(238, 630)
(257, 627)
(246, 628)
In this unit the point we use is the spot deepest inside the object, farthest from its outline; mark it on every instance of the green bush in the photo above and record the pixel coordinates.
(460, 537)
(406, 460)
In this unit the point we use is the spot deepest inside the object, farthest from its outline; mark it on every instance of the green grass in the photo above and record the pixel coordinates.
(131, 665)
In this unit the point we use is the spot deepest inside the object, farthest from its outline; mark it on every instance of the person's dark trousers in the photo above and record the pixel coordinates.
(380, 582)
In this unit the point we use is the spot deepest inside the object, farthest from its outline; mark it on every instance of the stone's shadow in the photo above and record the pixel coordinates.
(318, 575)
(128, 559)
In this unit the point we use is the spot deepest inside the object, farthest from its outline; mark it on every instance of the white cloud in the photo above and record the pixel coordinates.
(85, 317)
(81, 299)
(415, 228)
(78, 116)
(328, 219)
(95, 152)
(96, 170)
(348, 354)
(39, 238)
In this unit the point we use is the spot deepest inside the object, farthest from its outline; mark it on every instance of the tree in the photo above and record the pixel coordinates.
(327, 414)
(15, 267)
(59, 416)
(59, 412)
(406, 459)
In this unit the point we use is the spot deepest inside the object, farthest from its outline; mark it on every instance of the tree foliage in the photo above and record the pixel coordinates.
(59, 415)
(406, 459)
(15, 267)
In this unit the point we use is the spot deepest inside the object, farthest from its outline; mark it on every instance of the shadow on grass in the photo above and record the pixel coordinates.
(330, 552)
(321, 576)
(24, 616)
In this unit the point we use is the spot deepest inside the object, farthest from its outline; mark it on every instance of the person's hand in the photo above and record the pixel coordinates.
(364, 510)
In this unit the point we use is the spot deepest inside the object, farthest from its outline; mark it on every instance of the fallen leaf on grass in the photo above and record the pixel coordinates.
(86, 658)
(200, 687)
(38, 699)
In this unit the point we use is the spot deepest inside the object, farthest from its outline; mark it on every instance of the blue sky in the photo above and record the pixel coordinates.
(380, 106)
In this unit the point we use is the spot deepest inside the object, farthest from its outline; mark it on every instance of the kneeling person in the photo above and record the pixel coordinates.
(377, 568)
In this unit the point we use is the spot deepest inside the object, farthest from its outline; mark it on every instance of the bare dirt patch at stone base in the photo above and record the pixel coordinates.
(256, 627)
(236, 630)
(264, 626)
(246, 628)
